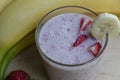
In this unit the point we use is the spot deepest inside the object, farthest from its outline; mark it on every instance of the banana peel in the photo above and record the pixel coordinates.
(12, 52)
(16, 21)
(4, 4)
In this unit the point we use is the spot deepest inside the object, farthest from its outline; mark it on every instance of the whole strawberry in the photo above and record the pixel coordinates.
(18, 75)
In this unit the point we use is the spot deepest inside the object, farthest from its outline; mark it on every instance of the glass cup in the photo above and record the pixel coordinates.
(59, 71)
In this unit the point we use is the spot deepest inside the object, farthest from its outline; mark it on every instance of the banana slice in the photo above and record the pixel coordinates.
(105, 23)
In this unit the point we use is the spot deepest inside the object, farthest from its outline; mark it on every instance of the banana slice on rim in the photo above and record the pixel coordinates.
(105, 23)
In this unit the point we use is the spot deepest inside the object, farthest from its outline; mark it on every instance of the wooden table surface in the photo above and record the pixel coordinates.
(30, 61)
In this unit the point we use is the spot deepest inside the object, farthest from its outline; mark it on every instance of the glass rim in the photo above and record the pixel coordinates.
(63, 64)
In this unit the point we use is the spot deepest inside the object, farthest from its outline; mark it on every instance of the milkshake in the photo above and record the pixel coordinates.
(69, 50)
(58, 37)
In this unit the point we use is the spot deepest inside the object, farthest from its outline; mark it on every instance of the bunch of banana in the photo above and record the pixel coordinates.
(22, 16)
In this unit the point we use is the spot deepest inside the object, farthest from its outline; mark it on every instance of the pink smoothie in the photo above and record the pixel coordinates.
(59, 34)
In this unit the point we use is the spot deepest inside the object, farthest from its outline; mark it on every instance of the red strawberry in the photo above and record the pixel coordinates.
(86, 25)
(95, 48)
(79, 40)
(18, 75)
(83, 27)
(81, 24)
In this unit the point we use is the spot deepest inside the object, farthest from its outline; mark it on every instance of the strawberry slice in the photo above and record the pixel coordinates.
(95, 48)
(79, 40)
(83, 27)
(81, 24)
(86, 25)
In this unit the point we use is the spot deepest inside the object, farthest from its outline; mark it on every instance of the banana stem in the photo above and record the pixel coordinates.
(22, 44)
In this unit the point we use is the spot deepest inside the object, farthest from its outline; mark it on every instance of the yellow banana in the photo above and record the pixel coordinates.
(12, 52)
(16, 21)
(4, 4)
